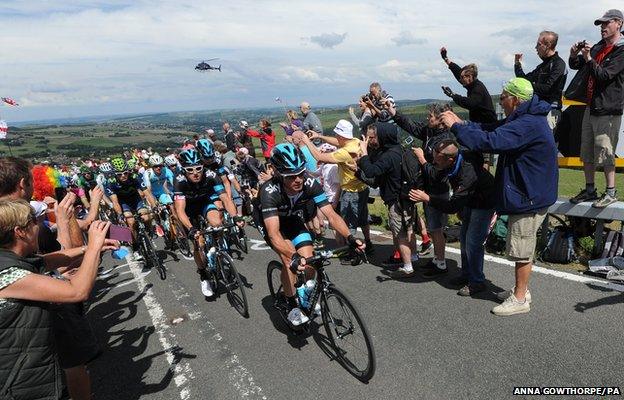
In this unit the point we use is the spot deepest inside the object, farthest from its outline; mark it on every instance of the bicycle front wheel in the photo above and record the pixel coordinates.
(181, 240)
(348, 334)
(233, 285)
(152, 259)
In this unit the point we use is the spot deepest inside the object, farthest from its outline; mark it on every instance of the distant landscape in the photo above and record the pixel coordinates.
(107, 136)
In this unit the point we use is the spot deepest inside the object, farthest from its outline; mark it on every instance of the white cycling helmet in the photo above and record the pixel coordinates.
(155, 159)
(171, 160)
(106, 167)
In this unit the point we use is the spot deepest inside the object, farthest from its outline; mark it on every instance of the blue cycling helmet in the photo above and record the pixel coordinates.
(189, 158)
(205, 148)
(287, 159)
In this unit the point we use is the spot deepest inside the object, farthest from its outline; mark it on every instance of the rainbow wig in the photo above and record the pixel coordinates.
(45, 180)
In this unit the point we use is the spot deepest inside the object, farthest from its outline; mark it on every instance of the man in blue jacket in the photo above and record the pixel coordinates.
(526, 177)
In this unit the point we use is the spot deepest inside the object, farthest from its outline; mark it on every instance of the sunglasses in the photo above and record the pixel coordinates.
(194, 170)
(293, 177)
(121, 173)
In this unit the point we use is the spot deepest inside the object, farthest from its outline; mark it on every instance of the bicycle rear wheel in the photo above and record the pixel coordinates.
(233, 285)
(348, 334)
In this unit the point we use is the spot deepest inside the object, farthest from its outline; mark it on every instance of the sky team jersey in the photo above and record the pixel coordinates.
(209, 186)
(157, 182)
(127, 192)
(275, 202)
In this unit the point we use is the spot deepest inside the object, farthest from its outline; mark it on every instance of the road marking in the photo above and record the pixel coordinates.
(238, 375)
(259, 244)
(181, 369)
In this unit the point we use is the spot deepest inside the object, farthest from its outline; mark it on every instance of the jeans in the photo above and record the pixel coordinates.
(474, 231)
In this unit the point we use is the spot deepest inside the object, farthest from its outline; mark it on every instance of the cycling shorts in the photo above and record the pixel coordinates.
(291, 228)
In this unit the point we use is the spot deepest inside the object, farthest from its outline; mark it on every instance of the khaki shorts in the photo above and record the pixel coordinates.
(401, 220)
(522, 235)
(599, 138)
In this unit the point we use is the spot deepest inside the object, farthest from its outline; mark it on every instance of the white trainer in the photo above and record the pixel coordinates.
(505, 294)
(206, 288)
(296, 317)
(512, 306)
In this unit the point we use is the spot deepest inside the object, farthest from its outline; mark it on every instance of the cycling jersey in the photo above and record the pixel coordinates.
(199, 196)
(293, 211)
(274, 200)
(128, 192)
(157, 182)
(216, 165)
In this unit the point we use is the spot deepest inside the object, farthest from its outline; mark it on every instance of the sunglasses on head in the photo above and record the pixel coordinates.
(194, 170)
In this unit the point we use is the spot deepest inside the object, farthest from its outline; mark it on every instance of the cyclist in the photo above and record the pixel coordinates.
(194, 191)
(127, 192)
(158, 179)
(174, 165)
(286, 202)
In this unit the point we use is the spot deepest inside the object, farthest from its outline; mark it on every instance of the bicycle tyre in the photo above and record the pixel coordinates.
(274, 272)
(233, 284)
(335, 310)
(151, 257)
(181, 240)
(242, 241)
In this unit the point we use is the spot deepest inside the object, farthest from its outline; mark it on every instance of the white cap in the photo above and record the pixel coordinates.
(344, 128)
(209, 131)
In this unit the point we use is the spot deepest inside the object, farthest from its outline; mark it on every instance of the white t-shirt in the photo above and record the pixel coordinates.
(331, 181)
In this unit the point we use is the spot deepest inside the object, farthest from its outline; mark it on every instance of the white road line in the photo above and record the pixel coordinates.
(181, 369)
(541, 270)
(239, 376)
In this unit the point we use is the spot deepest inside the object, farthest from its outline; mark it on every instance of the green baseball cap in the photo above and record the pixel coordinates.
(520, 88)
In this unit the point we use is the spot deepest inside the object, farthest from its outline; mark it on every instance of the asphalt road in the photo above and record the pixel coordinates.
(164, 340)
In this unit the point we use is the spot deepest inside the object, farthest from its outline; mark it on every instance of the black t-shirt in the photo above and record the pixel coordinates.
(127, 192)
(274, 200)
(206, 190)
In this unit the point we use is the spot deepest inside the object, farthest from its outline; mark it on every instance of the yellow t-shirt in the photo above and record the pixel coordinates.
(345, 158)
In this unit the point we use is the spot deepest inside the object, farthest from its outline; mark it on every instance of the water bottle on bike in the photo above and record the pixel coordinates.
(212, 259)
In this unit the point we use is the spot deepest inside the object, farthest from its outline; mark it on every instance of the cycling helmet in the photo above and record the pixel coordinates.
(287, 159)
(84, 169)
(171, 160)
(131, 163)
(119, 164)
(190, 157)
(206, 148)
(106, 167)
(155, 159)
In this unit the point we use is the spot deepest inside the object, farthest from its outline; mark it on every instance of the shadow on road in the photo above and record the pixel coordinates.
(120, 372)
(618, 298)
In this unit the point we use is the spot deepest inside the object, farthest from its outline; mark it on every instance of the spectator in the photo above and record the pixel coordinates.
(229, 137)
(526, 177)
(365, 119)
(477, 101)
(294, 123)
(549, 77)
(310, 121)
(28, 360)
(249, 167)
(266, 136)
(354, 192)
(329, 176)
(377, 102)
(210, 133)
(245, 139)
(430, 133)
(387, 168)
(604, 95)
(473, 198)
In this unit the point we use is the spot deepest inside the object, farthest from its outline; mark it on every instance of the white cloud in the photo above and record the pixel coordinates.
(135, 54)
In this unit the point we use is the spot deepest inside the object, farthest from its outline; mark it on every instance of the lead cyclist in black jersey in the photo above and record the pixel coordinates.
(287, 202)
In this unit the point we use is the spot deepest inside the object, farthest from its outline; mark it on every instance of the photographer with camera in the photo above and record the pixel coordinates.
(376, 101)
(600, 84)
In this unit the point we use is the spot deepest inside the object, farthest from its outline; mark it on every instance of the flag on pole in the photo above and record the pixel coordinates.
(4, 129)
(10, 101)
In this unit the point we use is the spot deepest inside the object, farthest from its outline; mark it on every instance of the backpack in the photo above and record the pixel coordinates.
(497, 239)
(411, 174)
(560, 245)
(613, 245)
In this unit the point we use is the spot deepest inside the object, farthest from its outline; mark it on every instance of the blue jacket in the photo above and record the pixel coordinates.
(527, 172)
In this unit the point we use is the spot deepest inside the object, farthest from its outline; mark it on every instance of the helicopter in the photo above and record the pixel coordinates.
(204, 66)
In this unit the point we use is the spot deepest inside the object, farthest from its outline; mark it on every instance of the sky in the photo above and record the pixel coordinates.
(84, 58)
